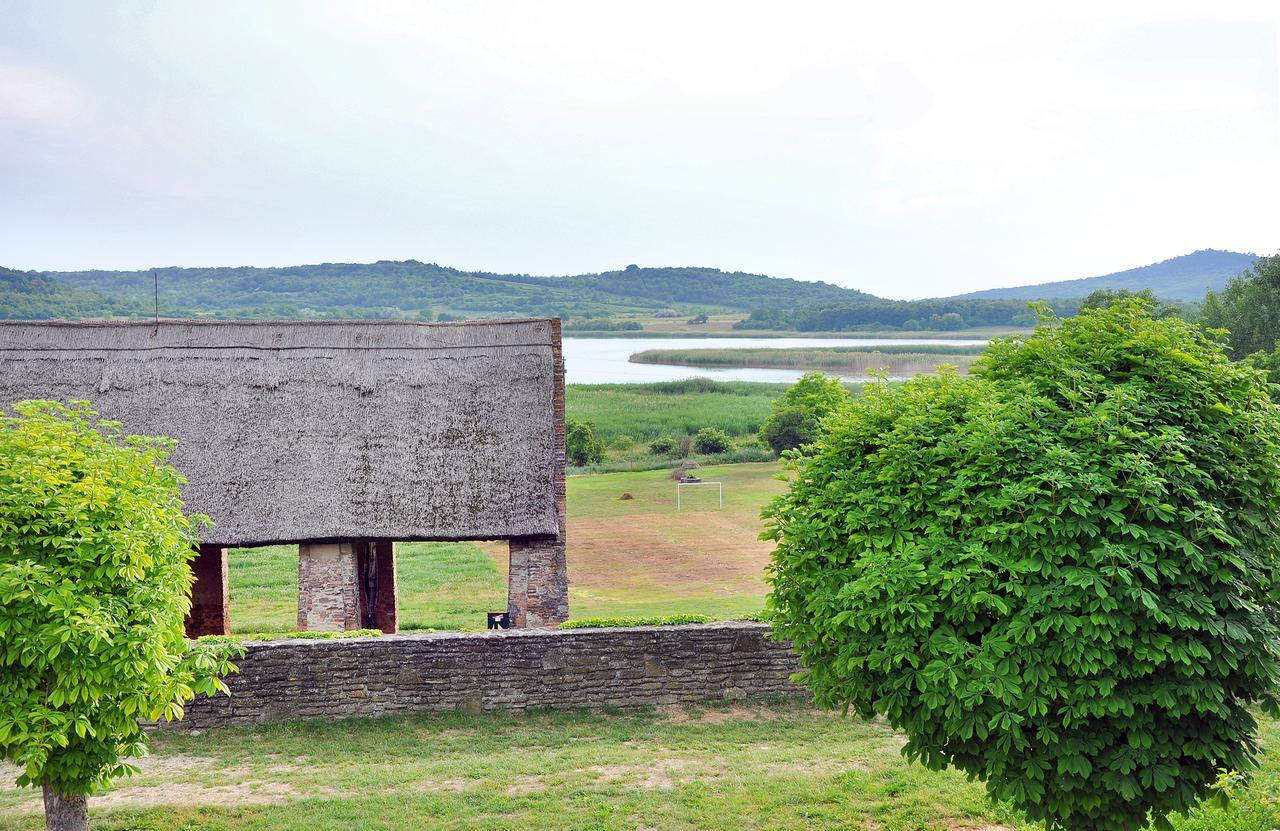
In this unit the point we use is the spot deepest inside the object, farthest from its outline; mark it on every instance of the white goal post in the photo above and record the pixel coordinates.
(679, 485)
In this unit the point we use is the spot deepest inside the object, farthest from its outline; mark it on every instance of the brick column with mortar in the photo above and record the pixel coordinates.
(209, 614)
(538, 575)
(328, 587)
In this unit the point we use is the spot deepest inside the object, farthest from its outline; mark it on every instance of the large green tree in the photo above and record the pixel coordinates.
(94, 590)
(1058, 575)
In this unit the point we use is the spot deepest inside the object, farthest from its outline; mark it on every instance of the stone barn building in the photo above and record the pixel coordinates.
(339, 437)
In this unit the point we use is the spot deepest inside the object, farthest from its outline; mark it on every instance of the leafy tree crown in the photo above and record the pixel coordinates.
(1057, 575)
(94, 588)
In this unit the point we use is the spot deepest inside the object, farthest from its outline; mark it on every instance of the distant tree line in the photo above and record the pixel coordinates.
(939, 315)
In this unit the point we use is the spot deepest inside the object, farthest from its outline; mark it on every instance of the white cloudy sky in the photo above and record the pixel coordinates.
(915, 151)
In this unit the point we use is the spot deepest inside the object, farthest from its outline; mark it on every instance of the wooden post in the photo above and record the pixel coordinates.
(378, 591)
(209, 613)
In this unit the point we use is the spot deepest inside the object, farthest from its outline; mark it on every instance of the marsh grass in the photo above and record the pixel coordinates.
(671, 408)
(896, 360)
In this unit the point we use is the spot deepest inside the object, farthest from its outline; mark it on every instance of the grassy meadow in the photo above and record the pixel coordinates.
(671, 408)
(627, 557)
(716, 769)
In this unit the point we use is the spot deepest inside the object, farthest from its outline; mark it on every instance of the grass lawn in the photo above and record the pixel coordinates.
(722, 768)
(626, 557)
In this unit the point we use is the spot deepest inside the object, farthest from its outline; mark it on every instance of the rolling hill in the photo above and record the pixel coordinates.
(1184, 278)
(390, 289)
(426, 291)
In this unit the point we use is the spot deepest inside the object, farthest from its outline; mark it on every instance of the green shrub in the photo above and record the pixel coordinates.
(664, 446)
(610, 622)
(797, 415)
(1057, 575)
(623, 442)
(711, 440)
(581, 446)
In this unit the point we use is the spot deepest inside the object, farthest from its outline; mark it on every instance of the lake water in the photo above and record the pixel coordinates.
(605, 360)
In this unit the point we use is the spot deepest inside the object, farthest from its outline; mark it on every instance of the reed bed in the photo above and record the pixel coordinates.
(894, 359)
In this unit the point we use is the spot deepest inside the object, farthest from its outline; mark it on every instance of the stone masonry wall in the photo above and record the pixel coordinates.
(511, 670)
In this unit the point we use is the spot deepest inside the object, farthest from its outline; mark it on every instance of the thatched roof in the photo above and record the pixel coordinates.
(291, 431)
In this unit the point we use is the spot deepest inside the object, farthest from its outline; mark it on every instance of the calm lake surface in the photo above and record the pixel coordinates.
(605, 360)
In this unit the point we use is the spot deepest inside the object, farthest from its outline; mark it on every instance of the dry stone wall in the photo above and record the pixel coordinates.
(512, 670)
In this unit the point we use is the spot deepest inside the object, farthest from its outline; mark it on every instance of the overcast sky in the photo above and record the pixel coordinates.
(916, 151)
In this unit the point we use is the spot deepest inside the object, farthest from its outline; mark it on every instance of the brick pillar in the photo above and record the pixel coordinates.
(538, 587)
(538, 577)
(328, 587)
(209, 614)
(377, 567)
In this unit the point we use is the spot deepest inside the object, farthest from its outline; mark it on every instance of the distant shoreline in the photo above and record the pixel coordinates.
(977, 336)
(897, 361)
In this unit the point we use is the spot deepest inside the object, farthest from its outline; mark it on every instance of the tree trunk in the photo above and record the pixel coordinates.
(65, 813)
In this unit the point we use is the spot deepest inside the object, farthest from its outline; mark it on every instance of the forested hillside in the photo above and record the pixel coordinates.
(1184, 278)
(387, 289)
(608, 300)
(29, 296)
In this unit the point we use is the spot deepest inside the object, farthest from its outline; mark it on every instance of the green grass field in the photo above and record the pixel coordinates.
(720, 769)
(626, 558)
(671, 408)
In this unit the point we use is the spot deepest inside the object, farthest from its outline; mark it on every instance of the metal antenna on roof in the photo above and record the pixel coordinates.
(156, 280)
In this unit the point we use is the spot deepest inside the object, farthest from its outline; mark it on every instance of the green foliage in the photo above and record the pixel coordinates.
(411, 289)
(582, 447)
(1106, 298)
(1057, 575)
(610, 622)
(798, 413)
(664, 446)
(1269, 363)
(27, 296)
(1249, 307)
(697, 320)
(711, 440)
(93, 594)
(874, 313)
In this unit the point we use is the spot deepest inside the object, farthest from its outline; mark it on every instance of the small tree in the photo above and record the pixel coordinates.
(94, 590)
(1058, 575)
(581, 445)
(798, 412)
(710, 440)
